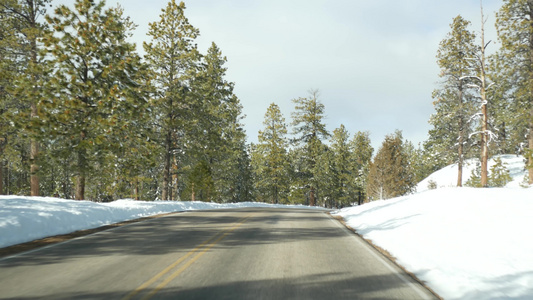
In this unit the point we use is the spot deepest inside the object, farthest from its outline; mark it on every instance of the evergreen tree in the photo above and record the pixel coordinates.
(454, 104)
(8, 71)
(343, 166)
(390, 174)
(218, 135)
(309, 129)
(514, 24)
(327, 179)
(25, 30)
(499, 174)
(298, 192)
(94, 94)
(475, 176)
(362, 157)
(174, 59)
(271, 162)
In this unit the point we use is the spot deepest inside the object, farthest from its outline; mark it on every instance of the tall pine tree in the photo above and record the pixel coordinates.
(309, 130)
(362, 157)
(454, 100)
(26, 31)
(514, 24)
(94, 93)
(174, 59)
(343, 166)
(271, 163)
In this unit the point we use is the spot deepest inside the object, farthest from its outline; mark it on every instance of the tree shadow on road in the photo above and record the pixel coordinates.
(180, 233)
(318, 286)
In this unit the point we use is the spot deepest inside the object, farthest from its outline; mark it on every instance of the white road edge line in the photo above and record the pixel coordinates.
(372, 251)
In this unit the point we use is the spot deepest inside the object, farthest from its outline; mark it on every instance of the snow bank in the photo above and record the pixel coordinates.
(24, 219)
(465, 243)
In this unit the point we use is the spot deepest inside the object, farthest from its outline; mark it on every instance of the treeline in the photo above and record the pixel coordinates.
(83, 116)
(328, 169)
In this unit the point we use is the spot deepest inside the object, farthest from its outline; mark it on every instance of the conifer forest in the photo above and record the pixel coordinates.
(84, 116)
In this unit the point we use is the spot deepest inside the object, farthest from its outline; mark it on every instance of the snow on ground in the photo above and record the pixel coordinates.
(465, 243)
(24, 219)
(447, 177)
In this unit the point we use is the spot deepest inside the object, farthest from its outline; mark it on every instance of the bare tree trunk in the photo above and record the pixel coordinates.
(1, 177)
(175, 180)
(2, 143)
(530, 162)
(80, 187)
(193, 193)
(460, 148)
(312, 197)
(484, 124)
(166, 168)
(34, 145)
(82, 167)
(136, 189)
(530, 137)
(34, 167)
(460, 165)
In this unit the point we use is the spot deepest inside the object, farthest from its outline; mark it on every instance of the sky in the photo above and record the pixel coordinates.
(373, 62)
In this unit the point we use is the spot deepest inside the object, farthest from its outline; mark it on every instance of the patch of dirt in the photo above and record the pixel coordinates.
(386, 254)
(19, 248)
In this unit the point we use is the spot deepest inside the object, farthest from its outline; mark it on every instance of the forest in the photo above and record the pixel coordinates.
(84, 116)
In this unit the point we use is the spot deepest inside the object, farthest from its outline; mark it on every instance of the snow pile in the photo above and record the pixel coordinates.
(465, 243)
(447, 176)
(23, 219)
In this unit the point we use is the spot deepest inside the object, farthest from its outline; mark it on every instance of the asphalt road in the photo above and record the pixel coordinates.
(224, 254)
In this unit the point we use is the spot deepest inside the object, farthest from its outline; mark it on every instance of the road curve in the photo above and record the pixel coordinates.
(254, 253)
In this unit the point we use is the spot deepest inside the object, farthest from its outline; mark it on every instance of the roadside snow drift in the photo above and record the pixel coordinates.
(24, 219)
(465, 243)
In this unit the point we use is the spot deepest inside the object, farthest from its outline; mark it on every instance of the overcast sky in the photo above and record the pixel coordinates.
(372, 60)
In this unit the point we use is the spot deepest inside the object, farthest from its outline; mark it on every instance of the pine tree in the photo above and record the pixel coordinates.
(7, 74)
(499, 174)
(94, 94)
(26, 32)
(362, 157)
(309, 129)
(343, 166)
(475, 176)
(174, 59)
(454, 102)
(390, 174)
(218, 135)
(514, 24)
(327, 190)
(271, 163)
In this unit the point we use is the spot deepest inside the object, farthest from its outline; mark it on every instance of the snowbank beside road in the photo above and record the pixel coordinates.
(465, 243)
(24, 219)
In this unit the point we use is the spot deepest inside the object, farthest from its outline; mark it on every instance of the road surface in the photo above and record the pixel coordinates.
(225, 254)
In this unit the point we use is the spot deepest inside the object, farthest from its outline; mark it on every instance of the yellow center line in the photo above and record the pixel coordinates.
(221, 234)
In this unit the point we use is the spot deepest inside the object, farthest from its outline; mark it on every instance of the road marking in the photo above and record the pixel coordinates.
(203, 248)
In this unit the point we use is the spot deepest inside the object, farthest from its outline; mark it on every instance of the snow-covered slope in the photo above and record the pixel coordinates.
(465, 243)
(447, 176)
